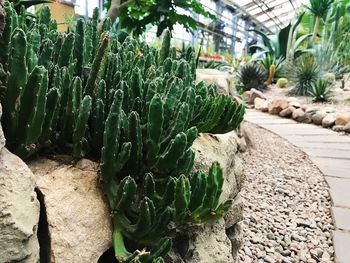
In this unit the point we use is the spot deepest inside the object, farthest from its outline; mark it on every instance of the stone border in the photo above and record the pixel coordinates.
(330, 152)
(326, 117)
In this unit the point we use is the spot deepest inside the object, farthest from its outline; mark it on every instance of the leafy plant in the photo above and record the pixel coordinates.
(252, 75)
(319, 8)
(135, 108)
(135, 15)
(320, 91)
(269, 61)
(303, 73)
(18, 4)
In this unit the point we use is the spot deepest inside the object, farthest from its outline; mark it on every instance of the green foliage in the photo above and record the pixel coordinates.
(135, 108)
(320, 91)
(252, 75)
(18, 4)
(269, 61)
(162, 13)
(319, 7)
(304, 73)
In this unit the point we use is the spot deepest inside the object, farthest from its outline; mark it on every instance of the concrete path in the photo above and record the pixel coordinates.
(330, 151)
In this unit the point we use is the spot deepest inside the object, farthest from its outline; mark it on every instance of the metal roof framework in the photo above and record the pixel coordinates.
(270, 13)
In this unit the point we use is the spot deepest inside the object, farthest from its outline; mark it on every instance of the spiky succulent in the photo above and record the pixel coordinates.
(116, 99)
(320, 91)
(304, 72)
(252, 75)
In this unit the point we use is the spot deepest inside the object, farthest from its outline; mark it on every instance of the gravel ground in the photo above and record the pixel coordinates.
(287, 214)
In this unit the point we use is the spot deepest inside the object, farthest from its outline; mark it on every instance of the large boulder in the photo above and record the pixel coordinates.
(217, 242)
(2, 17)
(79, 225)
(213, 76)
(19, 211)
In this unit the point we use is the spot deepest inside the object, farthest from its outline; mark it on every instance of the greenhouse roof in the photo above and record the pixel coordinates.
(269, 13)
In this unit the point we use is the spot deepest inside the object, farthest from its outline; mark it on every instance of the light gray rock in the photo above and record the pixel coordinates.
(288, 112)
(210, 244)
(318, 117)
(223, 149)
(299, 115)
(19, 211)
(214, 76)
(220, 241)
(261, 104)
(329, 120)
(78, 218)
(2, 137)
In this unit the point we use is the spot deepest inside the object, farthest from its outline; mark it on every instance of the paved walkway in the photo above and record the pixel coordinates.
(330, 151)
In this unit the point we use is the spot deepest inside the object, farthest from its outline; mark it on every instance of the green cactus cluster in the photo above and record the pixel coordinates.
(93, 93)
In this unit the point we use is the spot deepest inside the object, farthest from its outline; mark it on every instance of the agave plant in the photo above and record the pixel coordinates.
(320, 91)
(304, 72)
(252, 75)
(269, 61)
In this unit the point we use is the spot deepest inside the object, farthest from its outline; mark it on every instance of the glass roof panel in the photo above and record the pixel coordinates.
(270, 13)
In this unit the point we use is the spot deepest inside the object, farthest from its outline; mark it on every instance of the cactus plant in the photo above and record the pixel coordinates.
(135, 108)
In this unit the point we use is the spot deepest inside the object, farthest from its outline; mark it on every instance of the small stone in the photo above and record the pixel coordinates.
(299, 115)
(269, 259)
(278, 105)
(342, 119)
(338, 128)
(318, 117)
(287, 113)
(261, 105)
(347, 128)
(329, 120)
(254, 94)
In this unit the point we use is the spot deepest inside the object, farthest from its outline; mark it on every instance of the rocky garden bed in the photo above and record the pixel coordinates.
(300, 109)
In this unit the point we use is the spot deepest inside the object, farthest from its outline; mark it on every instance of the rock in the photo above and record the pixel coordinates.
(299, 115)
(318, 117)
(338, 128)
(209, 244)
(19, 211)
(287, 113)
(347, 128)
(213, 76)
(2, 137)
(312, 109)
(223, 149)
(329, 120)
(342, 119)
(254, 94)
(2, 17)
(295, 104)
(277, 105)
(78, 218)
(262, 105)
(328, 109)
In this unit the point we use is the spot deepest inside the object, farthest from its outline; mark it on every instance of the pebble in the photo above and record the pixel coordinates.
(287, 215)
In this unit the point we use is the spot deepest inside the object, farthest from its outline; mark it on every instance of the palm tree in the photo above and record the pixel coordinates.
(319, 9)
